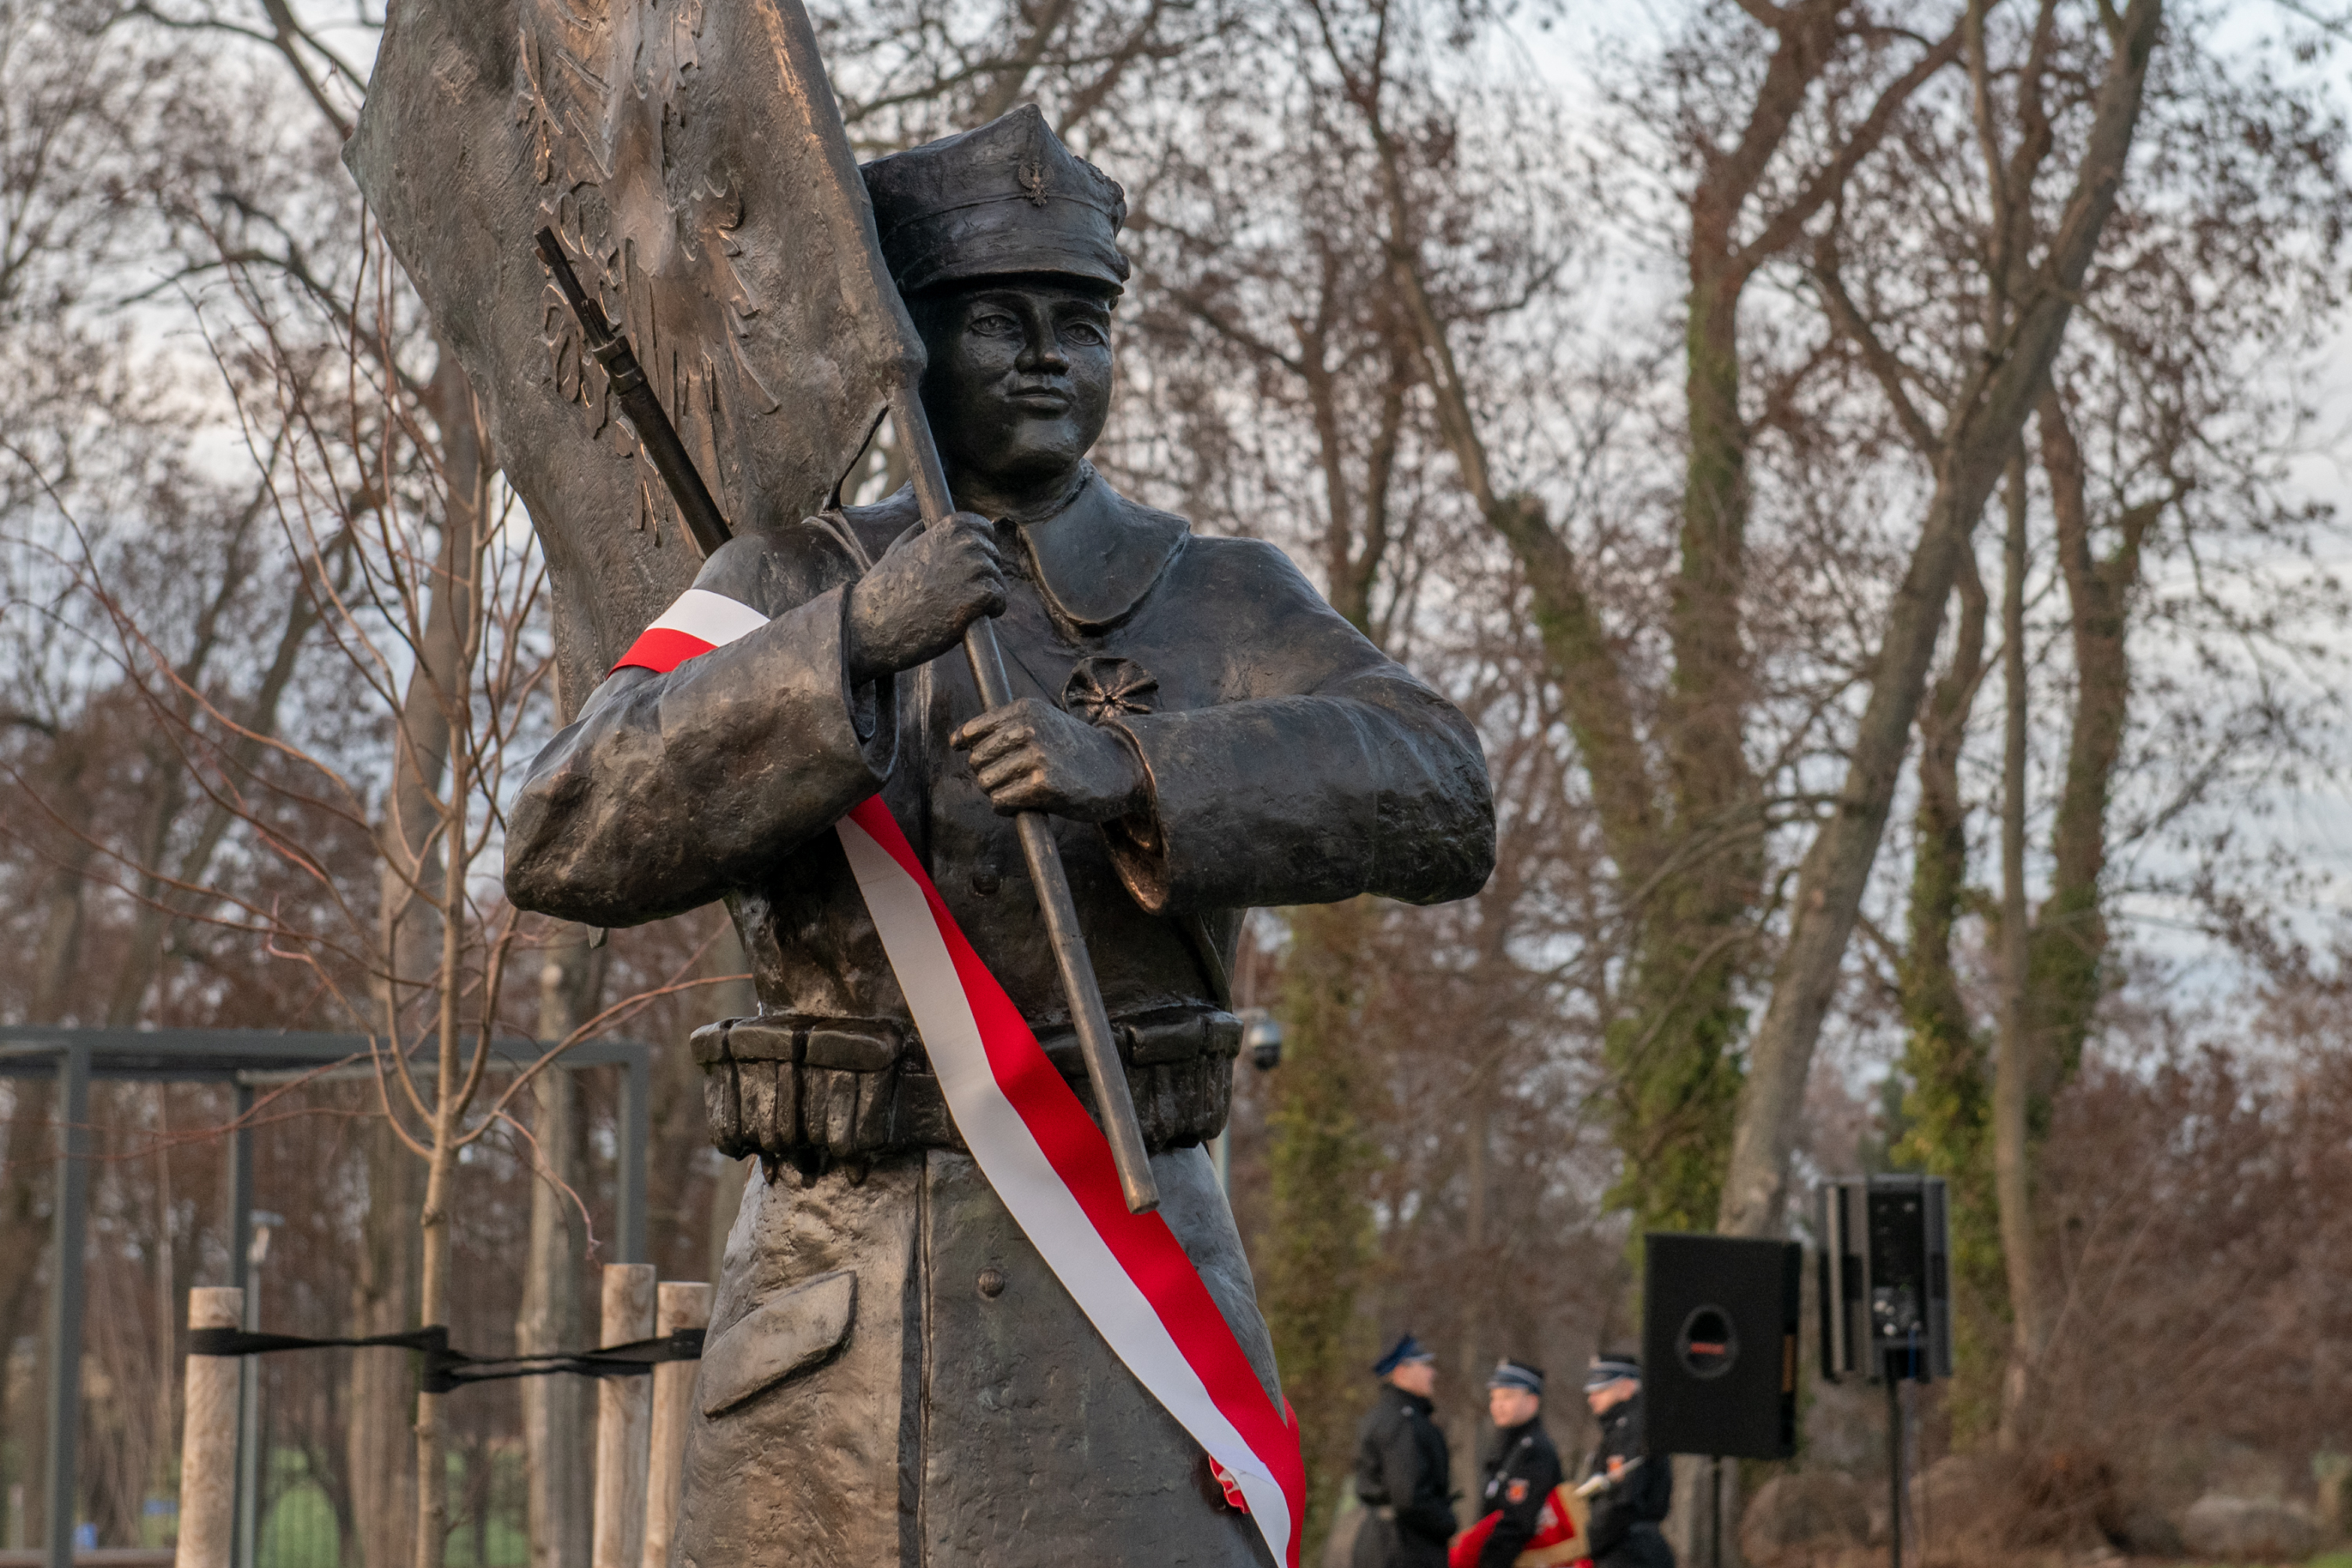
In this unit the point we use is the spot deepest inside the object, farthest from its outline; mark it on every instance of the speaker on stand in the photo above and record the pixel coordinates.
(1719, 1326)
(1885, 1299)
(1721, 1320)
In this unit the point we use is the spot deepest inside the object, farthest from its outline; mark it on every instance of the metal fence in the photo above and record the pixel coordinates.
(137, 1183)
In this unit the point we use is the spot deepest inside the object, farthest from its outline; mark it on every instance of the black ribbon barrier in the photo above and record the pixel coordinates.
(447, 1369)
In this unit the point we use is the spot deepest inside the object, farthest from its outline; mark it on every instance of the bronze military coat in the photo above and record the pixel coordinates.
(892, 1374)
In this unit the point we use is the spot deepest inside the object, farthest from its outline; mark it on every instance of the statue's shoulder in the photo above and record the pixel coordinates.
(777, 569)
(1231, 555)
(1243, 571)
(1172, 528)
(1248, 596)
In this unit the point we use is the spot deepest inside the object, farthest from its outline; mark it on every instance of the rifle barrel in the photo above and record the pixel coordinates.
(706, 526)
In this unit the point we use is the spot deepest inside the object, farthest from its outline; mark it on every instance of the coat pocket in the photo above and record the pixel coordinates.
(785, 1335)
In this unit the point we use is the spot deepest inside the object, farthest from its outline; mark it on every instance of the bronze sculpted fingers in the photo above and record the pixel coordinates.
(1030, 756)
(1001, 732)
(916, 601)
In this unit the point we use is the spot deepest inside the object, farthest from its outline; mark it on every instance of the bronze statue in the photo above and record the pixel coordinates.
(893, 1373)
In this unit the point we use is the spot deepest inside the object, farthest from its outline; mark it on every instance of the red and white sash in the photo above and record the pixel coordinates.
(1040, 1150)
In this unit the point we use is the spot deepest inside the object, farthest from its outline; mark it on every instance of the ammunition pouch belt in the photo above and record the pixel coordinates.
(815, 1091)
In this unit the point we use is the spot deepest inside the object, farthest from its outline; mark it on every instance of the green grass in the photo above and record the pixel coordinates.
(504, 1538)
(508, 1547)
(300, 1531)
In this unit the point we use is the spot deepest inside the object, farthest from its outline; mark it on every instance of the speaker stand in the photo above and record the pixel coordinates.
(1893, 1468)
(1722, 1559)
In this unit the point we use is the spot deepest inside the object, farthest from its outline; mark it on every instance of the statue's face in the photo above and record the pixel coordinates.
(1019, 380)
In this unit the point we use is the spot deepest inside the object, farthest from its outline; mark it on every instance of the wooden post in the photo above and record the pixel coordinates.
(624, 1411)
(208, 1439)
(683, 1306)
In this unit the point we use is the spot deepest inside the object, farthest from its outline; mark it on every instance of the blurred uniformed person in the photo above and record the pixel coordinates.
(1522, 1466)
(1402, 1466)
(1623, 1527)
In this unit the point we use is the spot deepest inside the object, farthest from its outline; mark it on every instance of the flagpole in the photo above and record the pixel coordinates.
(1098, 1046)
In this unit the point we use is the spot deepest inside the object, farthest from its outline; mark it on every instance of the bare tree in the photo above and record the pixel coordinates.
(2034, 274)
(2189, 434)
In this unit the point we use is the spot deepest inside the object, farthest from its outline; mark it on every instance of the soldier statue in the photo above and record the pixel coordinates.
(891, 1375)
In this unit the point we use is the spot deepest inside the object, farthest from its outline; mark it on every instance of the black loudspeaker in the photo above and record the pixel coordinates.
(1885, 1279)
(1720, 1324)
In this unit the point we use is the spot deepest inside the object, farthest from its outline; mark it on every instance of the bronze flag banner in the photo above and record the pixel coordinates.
(680, 151)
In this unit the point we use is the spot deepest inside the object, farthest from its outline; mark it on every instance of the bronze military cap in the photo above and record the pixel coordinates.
(1006, 198)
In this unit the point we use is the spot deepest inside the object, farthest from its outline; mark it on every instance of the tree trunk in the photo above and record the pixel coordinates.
(412, 836)
(1689, 871)
(413, 846)
(555, 1409)
(1831, 878)
(1669, 1053)
(27, 1165)
(1949, 1070)
(438, 1220)
(25, 1168)
(2070, 934)
(56, 956)
(1318, 1236)
(1673, 1054)
(1477, 1185)
(383, 1382)
(1986, 424)
(453, 613)
(433, 1304)
(2012, 1177)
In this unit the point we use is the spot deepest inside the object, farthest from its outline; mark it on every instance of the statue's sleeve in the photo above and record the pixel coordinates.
(1332, 772)
(670, 789)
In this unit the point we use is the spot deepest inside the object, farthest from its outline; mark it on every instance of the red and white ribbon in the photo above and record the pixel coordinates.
(1051, 1166)
(697, 622)
(1043, 1154)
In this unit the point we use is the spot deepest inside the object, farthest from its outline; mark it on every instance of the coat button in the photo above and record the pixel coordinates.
(985, 883)
(991, 1283)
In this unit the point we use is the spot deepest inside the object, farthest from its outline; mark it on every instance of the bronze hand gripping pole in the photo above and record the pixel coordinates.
(610, 348)
(1096, 1041)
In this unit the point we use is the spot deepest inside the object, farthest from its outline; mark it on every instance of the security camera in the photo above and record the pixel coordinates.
(1262, 1034)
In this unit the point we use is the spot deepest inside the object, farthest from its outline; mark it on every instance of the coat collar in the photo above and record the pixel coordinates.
(1098, 557)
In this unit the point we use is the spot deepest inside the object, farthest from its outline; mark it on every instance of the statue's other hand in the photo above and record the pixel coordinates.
(1030, 756)
(916, 601)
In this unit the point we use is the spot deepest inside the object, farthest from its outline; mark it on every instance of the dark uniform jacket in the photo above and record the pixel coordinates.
(1521, 1471)
(1625, 1517)
(1402, 1474)
(1288, 761)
